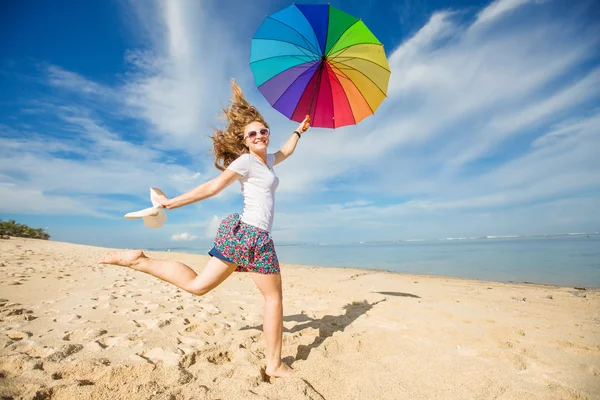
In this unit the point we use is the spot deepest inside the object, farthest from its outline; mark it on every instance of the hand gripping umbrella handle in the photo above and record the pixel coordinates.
(304, 126)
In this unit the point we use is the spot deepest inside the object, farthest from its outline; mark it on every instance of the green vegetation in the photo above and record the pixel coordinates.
(11, 228)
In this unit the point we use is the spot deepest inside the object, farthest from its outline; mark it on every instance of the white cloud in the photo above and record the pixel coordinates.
(21, 200)
(498, 9)
(502, 126)
(212, 227)
(61, 78)
(184, 237)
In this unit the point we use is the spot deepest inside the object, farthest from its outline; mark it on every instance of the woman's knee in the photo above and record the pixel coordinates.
(199, 290)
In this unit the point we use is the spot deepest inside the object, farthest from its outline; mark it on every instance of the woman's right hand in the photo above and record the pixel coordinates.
(163, 200)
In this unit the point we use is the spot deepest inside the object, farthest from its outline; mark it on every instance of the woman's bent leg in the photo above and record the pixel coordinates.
(176, 273)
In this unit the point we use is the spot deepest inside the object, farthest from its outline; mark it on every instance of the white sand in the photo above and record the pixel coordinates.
(71, 329)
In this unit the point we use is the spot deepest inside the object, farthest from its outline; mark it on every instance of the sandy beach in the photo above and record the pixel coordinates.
(72, 329)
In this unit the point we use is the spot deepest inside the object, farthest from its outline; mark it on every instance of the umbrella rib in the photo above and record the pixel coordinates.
(312, 48)
(356, 44)
(291, 56)
(362, 73)
(338, 39)
(357, 89)
(302, 49)
(343, 62)
(361, 58)
(317, 86)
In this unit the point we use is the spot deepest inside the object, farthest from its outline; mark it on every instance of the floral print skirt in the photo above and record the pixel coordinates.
(248, 246)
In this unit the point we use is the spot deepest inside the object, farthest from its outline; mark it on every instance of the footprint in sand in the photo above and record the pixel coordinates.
(70, 318)
(64, 351)
(147, 305)
(209, 308)
(218, 357)
(518, 361)
(124, 311)
(201, 315)
(83, 335)
(15, 313)
(18, 335)
(93, 347)
(111, 341)
(191, 341)
(519, 332)
(158, 355)
(153, 323)
(29, 347)
(5, 341)
(206, 328)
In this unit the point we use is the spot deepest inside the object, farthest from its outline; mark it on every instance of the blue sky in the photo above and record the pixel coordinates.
(491, 125)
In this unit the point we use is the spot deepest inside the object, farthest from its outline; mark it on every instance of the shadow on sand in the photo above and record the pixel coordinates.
(399, 294)
(329, 324)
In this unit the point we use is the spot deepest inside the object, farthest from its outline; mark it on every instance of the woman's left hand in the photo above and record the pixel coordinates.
(304, 125)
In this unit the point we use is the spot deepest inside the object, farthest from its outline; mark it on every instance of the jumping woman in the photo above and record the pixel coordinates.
(243, 242)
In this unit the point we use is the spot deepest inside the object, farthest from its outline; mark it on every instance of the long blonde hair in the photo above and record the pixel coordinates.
(228, 144)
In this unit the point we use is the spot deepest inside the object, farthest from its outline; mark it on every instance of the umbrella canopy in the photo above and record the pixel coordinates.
(320, 61)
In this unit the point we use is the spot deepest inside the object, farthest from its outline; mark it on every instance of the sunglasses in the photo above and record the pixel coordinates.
(262, 132)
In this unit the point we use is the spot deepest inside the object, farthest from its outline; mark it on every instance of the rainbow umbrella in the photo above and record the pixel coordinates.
(317, 60)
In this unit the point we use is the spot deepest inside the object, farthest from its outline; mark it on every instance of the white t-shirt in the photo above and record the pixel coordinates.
(258, 188)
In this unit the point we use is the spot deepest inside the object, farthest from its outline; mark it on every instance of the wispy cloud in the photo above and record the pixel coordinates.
(497, 10)
(183, 237)
(212, 227)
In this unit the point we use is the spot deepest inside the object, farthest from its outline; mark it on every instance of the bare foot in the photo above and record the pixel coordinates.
(123, 258)
(280, 371)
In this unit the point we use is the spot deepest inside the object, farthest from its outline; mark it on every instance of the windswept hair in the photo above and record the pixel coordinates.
(228, 144)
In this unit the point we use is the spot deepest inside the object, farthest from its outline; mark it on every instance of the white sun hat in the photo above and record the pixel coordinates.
(153, 217)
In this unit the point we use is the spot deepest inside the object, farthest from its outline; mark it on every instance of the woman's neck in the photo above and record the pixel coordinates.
(262, 155)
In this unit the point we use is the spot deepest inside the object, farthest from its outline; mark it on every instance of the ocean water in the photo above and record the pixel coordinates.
(554, 260)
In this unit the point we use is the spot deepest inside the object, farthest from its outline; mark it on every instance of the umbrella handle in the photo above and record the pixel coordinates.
(304, 126)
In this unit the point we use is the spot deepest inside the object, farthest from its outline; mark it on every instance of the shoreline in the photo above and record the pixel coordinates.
(358, 269)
